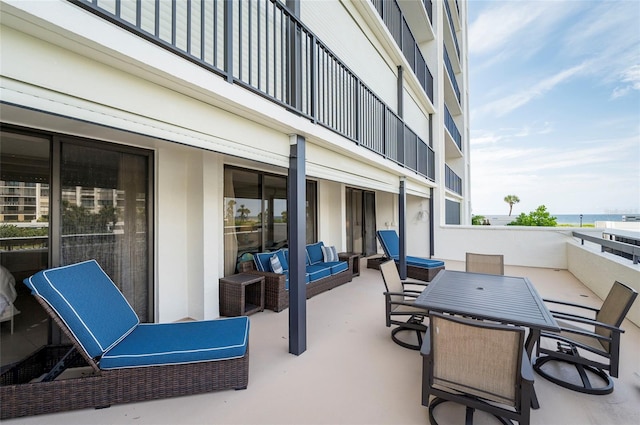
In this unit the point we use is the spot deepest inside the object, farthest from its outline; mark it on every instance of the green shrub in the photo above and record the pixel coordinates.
(539, 217)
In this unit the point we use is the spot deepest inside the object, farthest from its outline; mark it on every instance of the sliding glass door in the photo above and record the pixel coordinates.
(65, 200)
(104, 209)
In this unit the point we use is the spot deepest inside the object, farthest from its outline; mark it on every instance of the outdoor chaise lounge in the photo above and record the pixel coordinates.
(129, 361)
(321, 275)
(417, 267)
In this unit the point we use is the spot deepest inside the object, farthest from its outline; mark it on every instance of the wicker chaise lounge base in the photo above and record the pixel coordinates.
(276, 295)
(422, 273)
(37, 385)
(21, 397)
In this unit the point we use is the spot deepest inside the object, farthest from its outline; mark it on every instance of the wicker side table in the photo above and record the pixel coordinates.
(241, 294)
(345, 256)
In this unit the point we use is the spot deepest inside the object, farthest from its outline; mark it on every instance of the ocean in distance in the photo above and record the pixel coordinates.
(587, 218)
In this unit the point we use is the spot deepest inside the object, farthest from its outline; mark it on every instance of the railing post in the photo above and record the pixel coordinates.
(294, 95)
(228, 40)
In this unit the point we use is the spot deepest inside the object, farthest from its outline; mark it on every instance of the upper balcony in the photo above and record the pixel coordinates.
(398, 25)
(262, 47)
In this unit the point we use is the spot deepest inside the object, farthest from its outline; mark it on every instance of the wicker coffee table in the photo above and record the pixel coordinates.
(241, 294)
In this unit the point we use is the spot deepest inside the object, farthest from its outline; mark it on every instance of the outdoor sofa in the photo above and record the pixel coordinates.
(124, 360)
(419, 268)
(320, 275)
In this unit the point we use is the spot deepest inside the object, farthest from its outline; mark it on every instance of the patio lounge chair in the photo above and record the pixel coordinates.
(130, 361)
(481, 365)
(417, 267)
(485, 263)
(598, 335)
(399, 303)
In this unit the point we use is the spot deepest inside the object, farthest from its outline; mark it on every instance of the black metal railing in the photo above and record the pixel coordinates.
(394, 20)
(451, 126)
(453, 28)
(621, 249)
(261, 46)
(452, 74)
(452, 181)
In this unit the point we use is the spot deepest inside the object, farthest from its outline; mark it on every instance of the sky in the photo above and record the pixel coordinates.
(554, 106)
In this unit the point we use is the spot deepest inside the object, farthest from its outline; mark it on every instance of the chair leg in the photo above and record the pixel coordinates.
(587, 387)
(468, 419)
(406, 344)
(413, 325)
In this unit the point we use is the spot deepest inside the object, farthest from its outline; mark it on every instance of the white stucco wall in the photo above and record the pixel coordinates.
(524, 246)
(599, 271)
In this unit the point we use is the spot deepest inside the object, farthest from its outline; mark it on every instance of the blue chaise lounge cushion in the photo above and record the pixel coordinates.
(152, 344)
(88, 302)
(391, 246)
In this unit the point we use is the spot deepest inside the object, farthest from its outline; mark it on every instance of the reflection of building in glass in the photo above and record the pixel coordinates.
(23, 202)
(92, 198)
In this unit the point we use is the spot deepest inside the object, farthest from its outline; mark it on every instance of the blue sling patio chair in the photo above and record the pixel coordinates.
(131, 361)
(419, 268)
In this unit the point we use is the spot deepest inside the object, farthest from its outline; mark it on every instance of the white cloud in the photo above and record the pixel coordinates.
(631, 78)
(567, 179)
(514, 101)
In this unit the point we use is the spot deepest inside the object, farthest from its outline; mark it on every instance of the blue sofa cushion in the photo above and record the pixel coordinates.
(152, 344)
(337, 266)
(88, 302)
(314, 252)
(318, 272)
(286, 282)
(262, 260)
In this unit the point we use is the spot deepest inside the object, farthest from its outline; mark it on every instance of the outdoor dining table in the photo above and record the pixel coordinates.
(505, 299)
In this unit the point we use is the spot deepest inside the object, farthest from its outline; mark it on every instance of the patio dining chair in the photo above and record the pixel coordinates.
(484, 263)
(400, 310)
(586, 330)
(481, 365)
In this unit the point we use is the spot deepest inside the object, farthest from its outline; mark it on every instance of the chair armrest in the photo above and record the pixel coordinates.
(526, 370)
(425, 350)
(417, 283)
(570, 304)
(585, 320)
(408, 303)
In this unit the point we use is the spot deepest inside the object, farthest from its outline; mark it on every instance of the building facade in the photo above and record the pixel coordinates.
(159, 134)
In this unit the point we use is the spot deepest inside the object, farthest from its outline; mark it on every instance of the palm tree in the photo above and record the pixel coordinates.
(511, 199)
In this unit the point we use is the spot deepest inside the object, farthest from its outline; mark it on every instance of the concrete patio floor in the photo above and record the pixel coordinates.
(352, 373)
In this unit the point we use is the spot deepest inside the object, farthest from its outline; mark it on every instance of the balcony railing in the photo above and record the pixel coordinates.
(453, 28)
(452, 181)
(393, 18)
(450, 125)
(262, 47)
(452, 75)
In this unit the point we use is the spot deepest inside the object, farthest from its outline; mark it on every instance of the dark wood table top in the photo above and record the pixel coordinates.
(490, 297)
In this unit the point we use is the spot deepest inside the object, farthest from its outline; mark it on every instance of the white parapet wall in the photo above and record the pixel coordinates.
(520, 245)
(598, 271)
